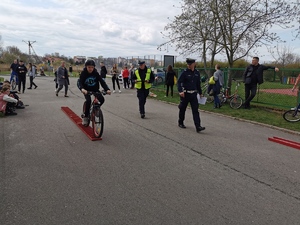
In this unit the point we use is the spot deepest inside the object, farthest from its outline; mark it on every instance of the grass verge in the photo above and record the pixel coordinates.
(257, 113)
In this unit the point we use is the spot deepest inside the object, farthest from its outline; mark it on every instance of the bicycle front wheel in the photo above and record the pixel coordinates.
(97, 122)
(236, 102)
(13, 84)
(292, 116)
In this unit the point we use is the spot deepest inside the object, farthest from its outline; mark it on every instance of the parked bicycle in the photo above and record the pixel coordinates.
(292, 115)
(96, 115)
(235, 101)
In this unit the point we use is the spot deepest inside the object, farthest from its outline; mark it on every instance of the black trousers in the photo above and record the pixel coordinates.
(126, 82)
(88, 102)
(115, 79)
(250, 92)
(31, 81)
(171, 88)
(21, 80)
(142, 95)
(184, 101)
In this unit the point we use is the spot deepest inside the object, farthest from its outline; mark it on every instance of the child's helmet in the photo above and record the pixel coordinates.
(90, 62)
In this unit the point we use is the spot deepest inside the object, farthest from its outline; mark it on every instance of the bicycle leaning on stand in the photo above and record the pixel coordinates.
(235, 101)
(95, 115)
(292, 115)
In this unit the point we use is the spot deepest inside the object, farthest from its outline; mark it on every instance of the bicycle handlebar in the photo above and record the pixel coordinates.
(97, 92)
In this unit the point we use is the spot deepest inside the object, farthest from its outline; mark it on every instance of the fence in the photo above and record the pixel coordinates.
(276, 91)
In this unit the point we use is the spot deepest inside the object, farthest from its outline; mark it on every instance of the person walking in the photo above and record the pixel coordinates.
(103, 71)
(252, 76)
(114, 71)
(219, 83)
(62, 79)
(189, 85)
(143, 78)
(21, 71)
(170, 80)
(31, 74)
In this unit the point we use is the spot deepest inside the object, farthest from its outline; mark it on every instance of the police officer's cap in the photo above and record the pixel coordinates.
(190, 61)
(141, 62)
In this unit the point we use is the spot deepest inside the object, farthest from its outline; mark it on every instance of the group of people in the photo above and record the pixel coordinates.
(19, 71)
(188, 85)
(9, 100)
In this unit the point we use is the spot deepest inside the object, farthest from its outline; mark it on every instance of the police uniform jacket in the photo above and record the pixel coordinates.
(189, 81)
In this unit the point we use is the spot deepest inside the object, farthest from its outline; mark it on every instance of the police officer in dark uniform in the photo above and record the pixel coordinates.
(21, 71)
(189, 85)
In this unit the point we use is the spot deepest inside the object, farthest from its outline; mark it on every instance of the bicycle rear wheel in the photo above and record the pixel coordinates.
(236, 102)
(292, 116)
(97, 122)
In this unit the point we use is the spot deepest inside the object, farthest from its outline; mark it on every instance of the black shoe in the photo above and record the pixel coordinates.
(29, 88)
(66, 96)
(198, 129)
(20, 107)
(142, 116)
(11, 114)
(35, 87)
(181, 126)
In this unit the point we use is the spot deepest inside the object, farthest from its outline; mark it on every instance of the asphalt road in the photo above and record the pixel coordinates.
(144, 171)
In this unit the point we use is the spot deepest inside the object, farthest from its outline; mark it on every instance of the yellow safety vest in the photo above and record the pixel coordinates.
(138, 83)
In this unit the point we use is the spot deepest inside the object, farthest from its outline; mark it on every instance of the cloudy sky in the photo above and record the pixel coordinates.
(109, 28)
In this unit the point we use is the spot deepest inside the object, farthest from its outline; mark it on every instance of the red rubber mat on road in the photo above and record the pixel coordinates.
(77, 120)
(286, 142)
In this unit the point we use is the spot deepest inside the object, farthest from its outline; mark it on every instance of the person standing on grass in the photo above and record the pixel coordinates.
(252, 76)
(170, 80)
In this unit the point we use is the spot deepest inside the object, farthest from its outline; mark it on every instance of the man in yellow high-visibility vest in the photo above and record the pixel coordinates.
(143, 78)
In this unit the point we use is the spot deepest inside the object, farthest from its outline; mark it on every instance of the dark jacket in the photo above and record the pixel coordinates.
(21, 70)
(103, 71)
(254, 74)
(90, 81)
(189, 80)
(170, 78)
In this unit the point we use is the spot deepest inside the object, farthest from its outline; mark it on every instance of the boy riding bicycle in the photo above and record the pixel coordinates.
(89, 81)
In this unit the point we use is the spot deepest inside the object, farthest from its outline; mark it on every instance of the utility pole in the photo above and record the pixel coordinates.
(29, 46)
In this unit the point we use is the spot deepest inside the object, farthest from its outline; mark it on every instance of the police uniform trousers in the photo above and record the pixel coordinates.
(192, 99)
(142, 95)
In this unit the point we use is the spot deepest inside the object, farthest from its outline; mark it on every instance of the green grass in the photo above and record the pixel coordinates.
(258, 113)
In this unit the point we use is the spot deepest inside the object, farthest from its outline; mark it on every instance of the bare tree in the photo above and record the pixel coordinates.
(282, 55)
(195, 32)
(243, 25)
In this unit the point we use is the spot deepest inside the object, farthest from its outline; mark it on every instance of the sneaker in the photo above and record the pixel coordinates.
(114, 91)
(85, 121)
(120, 91)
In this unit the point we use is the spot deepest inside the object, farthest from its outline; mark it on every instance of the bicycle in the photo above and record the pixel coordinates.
(235, 101)
(13, 81)
(292, 115)
(95, 115)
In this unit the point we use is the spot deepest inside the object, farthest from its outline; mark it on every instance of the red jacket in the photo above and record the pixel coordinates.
(125, 73)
